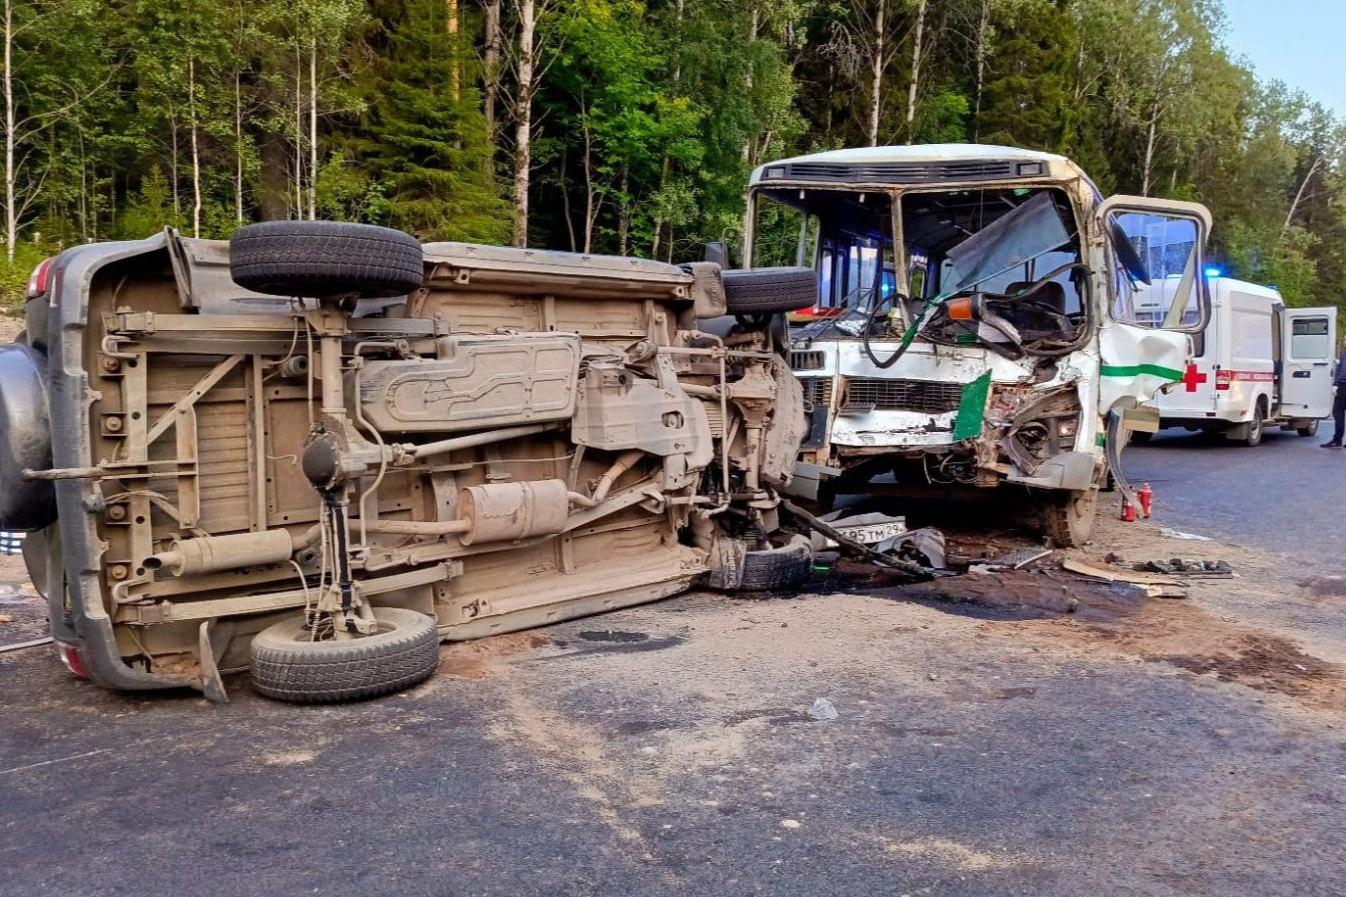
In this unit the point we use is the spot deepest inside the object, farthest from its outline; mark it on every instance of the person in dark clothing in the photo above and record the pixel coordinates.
(1339, 403)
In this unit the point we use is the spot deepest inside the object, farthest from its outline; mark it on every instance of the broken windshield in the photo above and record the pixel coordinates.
(1016, 250)
(1007, 244)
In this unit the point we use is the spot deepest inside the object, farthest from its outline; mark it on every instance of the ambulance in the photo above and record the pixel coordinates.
(1256, 364)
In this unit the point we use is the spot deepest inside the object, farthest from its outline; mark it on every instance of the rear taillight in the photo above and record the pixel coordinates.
(1224, 379)
(40, 281)
(70, 656)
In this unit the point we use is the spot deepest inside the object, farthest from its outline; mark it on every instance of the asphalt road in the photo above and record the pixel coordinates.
(668, 750)
(1286, 495)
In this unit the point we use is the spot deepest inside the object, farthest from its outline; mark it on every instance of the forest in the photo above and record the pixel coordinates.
(624, 127)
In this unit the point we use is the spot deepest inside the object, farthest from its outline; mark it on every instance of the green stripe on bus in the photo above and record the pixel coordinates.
(1135, 370)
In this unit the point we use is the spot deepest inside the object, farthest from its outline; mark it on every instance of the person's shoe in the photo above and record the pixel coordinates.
(1332, 443)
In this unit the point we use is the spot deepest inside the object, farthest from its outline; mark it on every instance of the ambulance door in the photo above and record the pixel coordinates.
(1308, 339)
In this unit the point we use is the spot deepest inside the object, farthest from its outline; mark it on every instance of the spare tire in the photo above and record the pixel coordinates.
(326, 258)
(25, 441)
(288, 666)
(766, 291)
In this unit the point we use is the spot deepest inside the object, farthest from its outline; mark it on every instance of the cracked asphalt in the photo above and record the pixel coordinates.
(1154, 748)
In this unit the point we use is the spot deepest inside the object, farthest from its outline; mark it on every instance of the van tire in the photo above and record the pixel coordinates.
(322, 259)
(1256, 426)
(773, 569)
(767, 291)
(288, 667)
(1309, 429)
(1068, 520)
(25, 440)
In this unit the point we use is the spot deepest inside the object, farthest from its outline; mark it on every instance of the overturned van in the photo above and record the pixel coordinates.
(978, 325)
(321, 448)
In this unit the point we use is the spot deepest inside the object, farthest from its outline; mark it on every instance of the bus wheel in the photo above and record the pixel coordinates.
(1068, 519)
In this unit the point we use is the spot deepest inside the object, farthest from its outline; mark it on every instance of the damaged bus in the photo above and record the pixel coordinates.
(987, 322)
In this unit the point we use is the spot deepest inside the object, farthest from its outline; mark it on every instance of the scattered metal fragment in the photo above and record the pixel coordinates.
(923, 546)
(1175, 534)
(1208, 569)
(1019, 558)
(1079, 565)
(37, 642)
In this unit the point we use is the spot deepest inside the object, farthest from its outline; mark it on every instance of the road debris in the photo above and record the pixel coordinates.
(823, 710)
(1175, 534)
(1210, 569)
(1109, 573)
(916, 571)
(20, 646)
(922, 546)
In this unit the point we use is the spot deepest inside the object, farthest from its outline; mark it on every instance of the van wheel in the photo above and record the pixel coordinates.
(1068, 520)
(773, 569)
(320, 259)
(289, 666)
(766, 291)
(25, 441)
(1255, 426)
(1310, 429)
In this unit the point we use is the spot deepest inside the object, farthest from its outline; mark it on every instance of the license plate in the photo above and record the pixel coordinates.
(873, 533)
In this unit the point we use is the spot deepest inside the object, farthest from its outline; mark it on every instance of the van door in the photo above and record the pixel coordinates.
(1308, 338)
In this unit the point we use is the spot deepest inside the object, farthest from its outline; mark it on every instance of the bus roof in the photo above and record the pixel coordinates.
(916, 164)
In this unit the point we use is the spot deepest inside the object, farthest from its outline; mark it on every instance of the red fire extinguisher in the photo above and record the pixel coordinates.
(1145, 495)
(1128, 511)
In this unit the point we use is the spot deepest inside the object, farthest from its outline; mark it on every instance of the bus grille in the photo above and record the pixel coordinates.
(923, 396)
(817, 391)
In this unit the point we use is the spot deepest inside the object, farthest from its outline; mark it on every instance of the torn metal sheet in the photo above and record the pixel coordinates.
(1109, 573)
(927, 543)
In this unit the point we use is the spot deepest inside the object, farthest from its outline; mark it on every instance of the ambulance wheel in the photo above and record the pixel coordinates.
(1255, 426)
(1310, 429)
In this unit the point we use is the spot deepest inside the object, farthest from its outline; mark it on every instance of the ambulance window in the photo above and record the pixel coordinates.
(1309, 338)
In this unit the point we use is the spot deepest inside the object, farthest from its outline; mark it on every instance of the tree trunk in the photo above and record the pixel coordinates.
(1299, 195)
(591, 203)
(455, 75)
(298, 131)
(491, 70)
(11, 202)
(983, 30)
(173, 168)
(238, 147)
(313, 131)
(523, 120)
(915, 70)
(624, 215)
(196, 148)
(565, 204)
(876, 79)
(658, 221)
(1151, 141)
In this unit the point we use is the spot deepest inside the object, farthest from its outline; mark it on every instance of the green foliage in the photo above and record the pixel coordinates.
(14, 275)
(648, 118)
